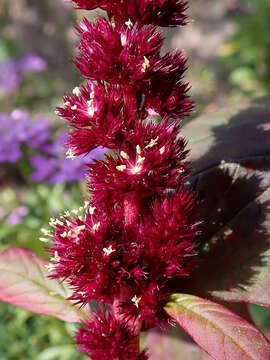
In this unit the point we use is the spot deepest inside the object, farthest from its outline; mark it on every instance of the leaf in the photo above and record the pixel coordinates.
(218, 331)
(231, 158)
(175, 345)
(24, 282)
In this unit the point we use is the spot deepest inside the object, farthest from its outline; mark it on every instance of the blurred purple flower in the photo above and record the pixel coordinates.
(18, 128)
(9, 140)
(57, 168)
(16, 216)
(11, 71)
(31, 63)
(9, 77)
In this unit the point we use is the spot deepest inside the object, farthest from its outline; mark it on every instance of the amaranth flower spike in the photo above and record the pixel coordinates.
(138, 230)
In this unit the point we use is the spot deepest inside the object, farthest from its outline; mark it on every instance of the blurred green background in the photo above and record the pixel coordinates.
(228, 45)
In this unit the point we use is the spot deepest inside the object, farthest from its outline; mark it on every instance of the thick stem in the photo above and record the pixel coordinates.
(131, 209)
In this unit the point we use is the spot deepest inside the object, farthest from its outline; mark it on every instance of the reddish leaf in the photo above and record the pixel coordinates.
(24, 282)
(231, 156)
(176, 345)
(218, 331)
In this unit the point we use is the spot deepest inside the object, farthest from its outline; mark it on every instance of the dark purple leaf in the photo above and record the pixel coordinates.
(231, 155)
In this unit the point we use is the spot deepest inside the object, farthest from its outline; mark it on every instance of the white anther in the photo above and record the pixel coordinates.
(59, 222)
(80, 228)
(113, 22)
(124, 155)
(67, 213)
(92, 95)
(146, 64)
(66, 103)
(136, 300)
(108, 250)
(136, 169)
(45, 240)
(52, 222)
(70, 154)
(138, 149)
(92, 210)
(96, 226)
(76, 91)
(45, 232)
(129, 24)
(55, 257)
(75, 211)
(152, 143)
(49, 267)
(123, 39)
(161, 150)
(91, 108)
(74, 107)
(121, 167)
(140, 159)
(64, 234)
(86, 203)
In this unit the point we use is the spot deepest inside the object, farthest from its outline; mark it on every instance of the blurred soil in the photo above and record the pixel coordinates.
(202, 41)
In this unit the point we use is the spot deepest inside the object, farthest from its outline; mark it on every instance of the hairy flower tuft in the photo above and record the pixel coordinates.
(150, 161)
(120, 54)
(105, 337)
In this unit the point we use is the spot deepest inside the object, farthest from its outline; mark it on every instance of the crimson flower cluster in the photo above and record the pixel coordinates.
(137, 231)
(160, 12)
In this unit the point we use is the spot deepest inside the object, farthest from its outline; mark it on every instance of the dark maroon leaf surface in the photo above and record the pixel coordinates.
(230, 151)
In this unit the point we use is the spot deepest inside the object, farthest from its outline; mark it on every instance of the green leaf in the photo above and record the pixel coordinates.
(218, 331)
(24, 282)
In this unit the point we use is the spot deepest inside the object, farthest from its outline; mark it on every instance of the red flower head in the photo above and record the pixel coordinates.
(150, 161)
(93, 253)
(167, 235)
(160, 13)
(104, 262)
(117, 54)
(107, 338)
(97, 115)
